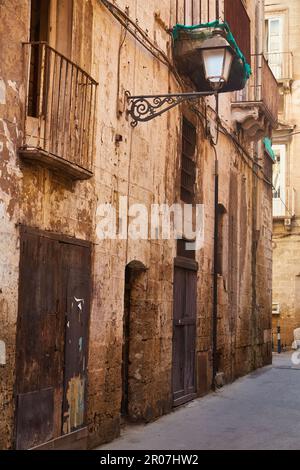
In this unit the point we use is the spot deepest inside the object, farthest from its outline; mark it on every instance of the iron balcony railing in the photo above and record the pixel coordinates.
(261, 88)
(281, 64)
(193, 12)
(60, 106)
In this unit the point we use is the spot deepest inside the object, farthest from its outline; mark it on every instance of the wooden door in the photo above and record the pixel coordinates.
(184, 336)
(40, 341)
(49, 277)
(76, 260)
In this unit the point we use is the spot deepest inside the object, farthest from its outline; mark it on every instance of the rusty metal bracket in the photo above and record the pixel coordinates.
(148, 107)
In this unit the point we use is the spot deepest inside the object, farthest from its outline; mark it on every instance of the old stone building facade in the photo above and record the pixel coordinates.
(93, 332)
(282, 47)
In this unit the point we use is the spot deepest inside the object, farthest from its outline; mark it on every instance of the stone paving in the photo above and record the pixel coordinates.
(260, 411)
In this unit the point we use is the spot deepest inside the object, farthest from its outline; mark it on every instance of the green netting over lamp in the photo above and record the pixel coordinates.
(188, 41)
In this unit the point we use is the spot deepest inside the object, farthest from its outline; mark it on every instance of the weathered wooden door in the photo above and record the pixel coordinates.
(184, 335)
(76, 261)
(40, 341)
(49, 277)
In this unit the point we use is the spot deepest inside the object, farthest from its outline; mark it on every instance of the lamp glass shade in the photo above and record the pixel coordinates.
(217, 65)
(227, 64)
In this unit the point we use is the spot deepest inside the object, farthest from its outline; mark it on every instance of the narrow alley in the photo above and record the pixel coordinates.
(149, 225)
(260, 411)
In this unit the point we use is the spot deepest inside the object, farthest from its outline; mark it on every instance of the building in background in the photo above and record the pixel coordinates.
(282, 51)
(97, 332)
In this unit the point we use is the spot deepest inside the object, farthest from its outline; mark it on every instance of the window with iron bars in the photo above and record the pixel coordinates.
(188, 178)
(188, 164)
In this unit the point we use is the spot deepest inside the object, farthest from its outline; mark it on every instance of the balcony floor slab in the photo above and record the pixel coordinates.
(54, 162)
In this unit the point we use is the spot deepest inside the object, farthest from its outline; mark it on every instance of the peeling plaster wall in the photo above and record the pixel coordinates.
(29, 195)
(12, 33)
(144, 165)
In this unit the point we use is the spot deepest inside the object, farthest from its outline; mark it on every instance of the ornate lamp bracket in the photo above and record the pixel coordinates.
(148, 107)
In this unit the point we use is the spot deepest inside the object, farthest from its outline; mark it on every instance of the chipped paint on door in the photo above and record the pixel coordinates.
(74, 416)
(53, 335)
(76, 262)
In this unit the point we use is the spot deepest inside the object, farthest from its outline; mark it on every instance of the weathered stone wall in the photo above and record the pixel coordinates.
(29, 195)
(143, 164)
(286, 239)
(286, 285)
(146, 165)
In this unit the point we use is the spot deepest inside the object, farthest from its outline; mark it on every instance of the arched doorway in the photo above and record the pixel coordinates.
(134, 300)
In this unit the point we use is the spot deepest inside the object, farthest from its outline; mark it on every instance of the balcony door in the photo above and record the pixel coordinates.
(39, 32)
(279, 181)
(50, 23)
(274, 45)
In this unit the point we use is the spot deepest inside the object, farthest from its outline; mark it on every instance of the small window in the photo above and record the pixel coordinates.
(275, 309)
(183, 252)
(188, 164)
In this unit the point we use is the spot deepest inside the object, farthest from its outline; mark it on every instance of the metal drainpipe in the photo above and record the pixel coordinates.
(216, 249)
(215, 275)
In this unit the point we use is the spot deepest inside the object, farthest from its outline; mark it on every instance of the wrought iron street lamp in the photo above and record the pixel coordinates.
(217, 57)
